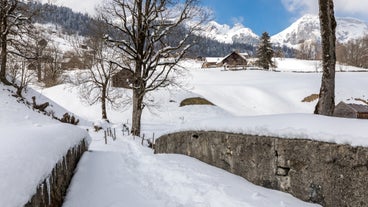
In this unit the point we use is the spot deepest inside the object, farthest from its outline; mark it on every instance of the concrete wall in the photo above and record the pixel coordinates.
(51, 192)
(325, 173)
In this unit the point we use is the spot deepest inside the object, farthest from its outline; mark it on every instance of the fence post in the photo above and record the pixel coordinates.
(105, 133)
(142, 139)
(114, 134)
(153, 141)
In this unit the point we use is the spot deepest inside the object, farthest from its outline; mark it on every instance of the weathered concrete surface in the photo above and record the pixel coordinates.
(51, 192)
(325, 173)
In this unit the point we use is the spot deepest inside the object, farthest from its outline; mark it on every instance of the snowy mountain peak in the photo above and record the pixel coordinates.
(307, 28)
(226, 34)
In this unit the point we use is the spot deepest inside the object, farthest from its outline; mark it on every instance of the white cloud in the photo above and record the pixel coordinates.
(357, 7)
(87, 6)
(353, 8)
(237, 20)
(301, 6)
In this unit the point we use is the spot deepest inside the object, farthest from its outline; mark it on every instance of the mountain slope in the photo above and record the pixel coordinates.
(308, 28)
(226, 34)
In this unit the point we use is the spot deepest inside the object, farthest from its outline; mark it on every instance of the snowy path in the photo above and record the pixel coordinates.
(123, 173)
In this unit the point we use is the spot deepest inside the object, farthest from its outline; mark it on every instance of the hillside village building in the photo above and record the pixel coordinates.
(346, 110)
(123, 79)
(233, 60)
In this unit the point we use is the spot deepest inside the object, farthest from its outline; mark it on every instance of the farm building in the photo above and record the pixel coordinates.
(351, 110)
(122, 79)
(211, 62)
(234, 60)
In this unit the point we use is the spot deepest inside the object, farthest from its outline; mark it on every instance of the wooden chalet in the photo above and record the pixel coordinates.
(234, 60)
(346, 110)
(211, 62)
(123, 79)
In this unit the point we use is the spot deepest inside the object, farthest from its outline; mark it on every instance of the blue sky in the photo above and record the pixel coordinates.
(259, 15)
(270, 16)
(273, 16)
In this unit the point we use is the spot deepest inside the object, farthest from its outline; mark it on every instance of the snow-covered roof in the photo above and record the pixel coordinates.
(220, 59)
(244, 54)
(213, 59)
(359, 107)
(239, 54)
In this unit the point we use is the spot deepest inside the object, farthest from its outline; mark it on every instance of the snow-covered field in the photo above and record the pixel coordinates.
(123, 173)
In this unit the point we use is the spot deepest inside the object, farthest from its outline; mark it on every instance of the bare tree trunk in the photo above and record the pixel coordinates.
(326, 102)
(3, 62)
(137, 112)
(39, 70)
(103, 102)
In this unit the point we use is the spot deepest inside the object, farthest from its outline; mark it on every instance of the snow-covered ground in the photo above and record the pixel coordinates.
(31, 145)
(123, 173)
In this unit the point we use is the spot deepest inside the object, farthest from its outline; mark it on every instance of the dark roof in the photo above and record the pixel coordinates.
(359, 107)
(236, 53)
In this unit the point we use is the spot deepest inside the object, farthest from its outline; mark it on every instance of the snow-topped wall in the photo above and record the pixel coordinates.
(51, 192)
(320, 172)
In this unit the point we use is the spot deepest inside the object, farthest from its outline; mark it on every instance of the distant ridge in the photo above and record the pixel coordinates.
(308, 28)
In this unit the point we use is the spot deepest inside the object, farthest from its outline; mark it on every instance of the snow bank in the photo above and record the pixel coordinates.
(123, 173)
(31, 145)
(299, 126)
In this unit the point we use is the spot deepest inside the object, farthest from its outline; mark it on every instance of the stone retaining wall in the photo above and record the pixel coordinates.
(325, 173)
(51, 192)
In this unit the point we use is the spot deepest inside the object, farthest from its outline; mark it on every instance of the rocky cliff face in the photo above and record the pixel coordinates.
(319, 172)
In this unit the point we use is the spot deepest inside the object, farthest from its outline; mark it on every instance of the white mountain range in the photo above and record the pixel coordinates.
(306, 28)
(224, 33)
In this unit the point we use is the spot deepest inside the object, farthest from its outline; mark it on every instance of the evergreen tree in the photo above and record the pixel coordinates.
(265, 52)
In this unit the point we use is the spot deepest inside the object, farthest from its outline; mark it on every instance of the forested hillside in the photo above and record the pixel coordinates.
(77, 23)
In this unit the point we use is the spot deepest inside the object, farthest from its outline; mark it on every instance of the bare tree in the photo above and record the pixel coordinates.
(143, 33)
(95, 83)
(326, 102)
(308, 50)
(12, 18)
(19, 73)
(354, 52)
(52, 57)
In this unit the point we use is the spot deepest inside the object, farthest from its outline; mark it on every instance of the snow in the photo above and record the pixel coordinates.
(226, 34)
(305, 28)
(308, 66)
(31, 145)
(124, 173)
(308, 28)
(293, 126)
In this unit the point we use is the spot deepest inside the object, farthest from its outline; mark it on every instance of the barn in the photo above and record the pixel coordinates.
(211, 62)
(122, 79)
(234, 60)
(350, 110)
